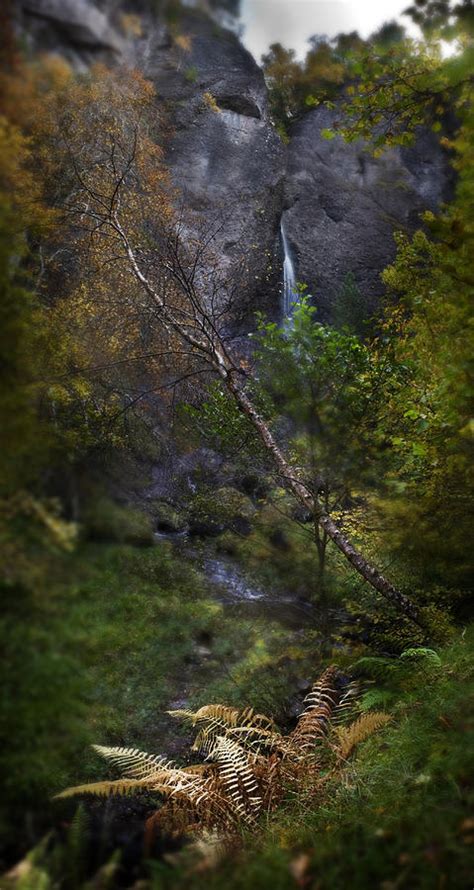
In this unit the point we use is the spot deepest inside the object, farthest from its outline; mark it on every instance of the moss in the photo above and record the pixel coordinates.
(166, 517)
(191, 74)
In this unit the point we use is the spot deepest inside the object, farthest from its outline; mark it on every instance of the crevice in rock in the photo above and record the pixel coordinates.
(240, 105)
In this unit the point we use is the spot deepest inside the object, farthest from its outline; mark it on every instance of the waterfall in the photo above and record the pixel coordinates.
(289, 276)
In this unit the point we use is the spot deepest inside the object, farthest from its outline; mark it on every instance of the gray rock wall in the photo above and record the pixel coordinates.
(343, 205)
(224, 154)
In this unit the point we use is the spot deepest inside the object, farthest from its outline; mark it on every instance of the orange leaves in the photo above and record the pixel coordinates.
(131, 25)
(25, 89)
(183, 42)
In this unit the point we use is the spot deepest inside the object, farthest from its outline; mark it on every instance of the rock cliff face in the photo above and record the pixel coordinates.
(340, 205)
(225, 155)
(81, 31)
(343, 205)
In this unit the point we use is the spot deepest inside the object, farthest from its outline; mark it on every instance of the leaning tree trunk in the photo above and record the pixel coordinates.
(292, 481)
(208, 344)
(204, 340)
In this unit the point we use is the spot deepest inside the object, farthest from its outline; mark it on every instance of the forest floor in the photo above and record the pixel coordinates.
(125, 633)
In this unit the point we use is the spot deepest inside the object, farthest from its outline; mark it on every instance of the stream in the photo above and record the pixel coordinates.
(241, 596)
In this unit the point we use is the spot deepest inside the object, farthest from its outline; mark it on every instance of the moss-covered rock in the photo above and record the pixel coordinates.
(233, 503)
(215, 511)
(166, 518)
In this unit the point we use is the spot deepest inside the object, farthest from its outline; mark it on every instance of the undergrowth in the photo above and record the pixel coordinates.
(398, 816)
(102, 642)
(93, 647)
(395, 812)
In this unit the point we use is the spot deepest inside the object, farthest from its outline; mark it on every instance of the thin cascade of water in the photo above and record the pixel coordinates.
(289, 275)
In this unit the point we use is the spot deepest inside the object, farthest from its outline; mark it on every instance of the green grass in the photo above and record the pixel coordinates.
(91, 655)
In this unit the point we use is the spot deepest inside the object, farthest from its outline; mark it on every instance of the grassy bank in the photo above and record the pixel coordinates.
(112, 634)
(397, 814)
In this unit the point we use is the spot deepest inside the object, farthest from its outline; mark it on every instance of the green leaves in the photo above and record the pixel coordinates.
(398, 87)
(422, 655)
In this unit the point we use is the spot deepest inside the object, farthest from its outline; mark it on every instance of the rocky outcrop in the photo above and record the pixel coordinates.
(343, 206)
(76, 29)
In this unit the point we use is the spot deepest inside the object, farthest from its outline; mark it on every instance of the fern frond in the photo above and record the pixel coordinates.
(248, 717)
(237, 776)
(132, 763)
(422, 654)
(105, 789)
(255, 739)
(320, 703)
(251, 729)
(249, 763)
(213, 719)
(223, 714)
(359, 731)
(147, 772)
(347, 704)
(376, 667)
(376, 698)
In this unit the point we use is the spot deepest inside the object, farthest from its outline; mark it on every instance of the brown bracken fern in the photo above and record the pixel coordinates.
(348, 737)
(248, 764)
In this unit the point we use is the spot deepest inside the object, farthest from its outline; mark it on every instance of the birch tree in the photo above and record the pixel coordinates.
(119, 212)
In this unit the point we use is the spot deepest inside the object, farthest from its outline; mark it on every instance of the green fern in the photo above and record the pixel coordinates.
(376, 668)
(381, 669)
(376, 698)
(425, 657)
